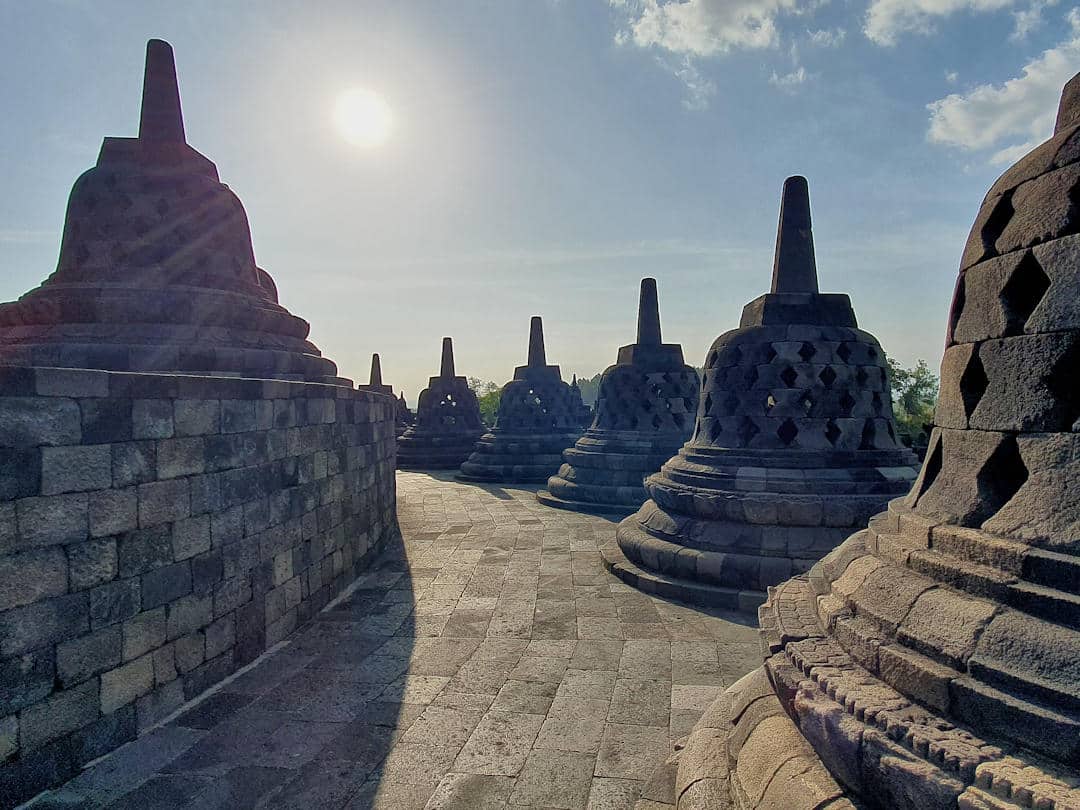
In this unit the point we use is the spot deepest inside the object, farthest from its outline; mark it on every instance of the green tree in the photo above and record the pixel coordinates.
(914, 393)
(488, 395)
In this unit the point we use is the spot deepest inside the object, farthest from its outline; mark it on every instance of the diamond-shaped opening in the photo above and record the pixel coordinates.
(871, 352)
(708, 403)
(869, 434)
(892, 433)
(715, 430)
(879, 404)
(704, 379)
(931, 469)
(679, 419)
(1062, 383)
(751, 376)
(827, 376)
(861, 377)
(847, 403)
(973, 383)
(844, 352)
(789, 376)
(957, 308)
(996, 223)
(807, 403)
(787, 432)
(747, 431)
(770, 403)
(807, 352)
(832, 432)
(1001, 477)
(1022, 293)
(770, 354)
(646, 405)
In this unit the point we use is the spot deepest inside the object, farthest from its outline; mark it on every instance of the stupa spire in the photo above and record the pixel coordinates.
(1069, 109)
(161, 119)
(794, 267)
(376, 370)
(537, 355)
(447, 368)
(648, 318)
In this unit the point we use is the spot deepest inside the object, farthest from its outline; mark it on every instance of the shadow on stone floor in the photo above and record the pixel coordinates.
(306, 726)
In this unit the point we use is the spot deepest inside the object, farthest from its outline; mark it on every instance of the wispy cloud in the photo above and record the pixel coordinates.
(886, 20)
(1012, 117)
(789, 81)
(1028, 19)
(827, 37)
(699, 88)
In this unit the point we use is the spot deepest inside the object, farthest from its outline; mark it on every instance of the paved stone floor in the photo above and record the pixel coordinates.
(490, 662)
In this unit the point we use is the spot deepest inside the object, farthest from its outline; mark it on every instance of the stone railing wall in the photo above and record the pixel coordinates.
(156, 533)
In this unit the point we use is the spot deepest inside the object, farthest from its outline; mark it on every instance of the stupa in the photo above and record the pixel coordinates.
(537, 420)
(794, 447)
(583, 411)
(404, 416)
(375, 382)
(933, 659)
(644, 413)
(156, 270)
(447, 422)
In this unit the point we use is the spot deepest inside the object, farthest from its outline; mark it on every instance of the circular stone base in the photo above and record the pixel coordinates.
(674, 588)
(608, 509)
(493, 475)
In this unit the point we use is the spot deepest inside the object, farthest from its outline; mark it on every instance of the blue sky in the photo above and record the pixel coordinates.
(546, 155)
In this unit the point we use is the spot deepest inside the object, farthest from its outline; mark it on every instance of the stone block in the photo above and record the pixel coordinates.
(124, 684)
(164, 585)
(113, 511)
(143, 633)
(26, 678)
(106, 420)
(165, 664)
(114, 602)
(197, 417)
(32, 576)
(42, 623)
(180, 457)
(163, 502)
(144, 550)
(34, 421)
(206, 572)
(9, 736)
(59, 715)
(227, 526)
(86, 656)
(134, 463)
(190, 537)
(151, 709)
(205, 494)
(190, 652)
(70, 382)
(220, 636)
(152, 419)
(91, 563)
(188, 614)
(104, 735)
(212, 672)
(237, 415)
(231, 594)
(53, 520)
(20, 472)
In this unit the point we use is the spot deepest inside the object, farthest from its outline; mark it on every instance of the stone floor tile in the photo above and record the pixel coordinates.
(385, 795)
(409, 764)
(694, 697)
(613, 794)
(555, 779)
(595, 684)
(551, 648)
(500, 744)
(321, 783)
(164, 792)
(471, 791)
(628, 751)
(539, 669)
(641, 701)
(442, 726)
(526, 697)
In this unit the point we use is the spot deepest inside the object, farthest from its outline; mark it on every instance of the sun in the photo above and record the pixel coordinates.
(363, 118)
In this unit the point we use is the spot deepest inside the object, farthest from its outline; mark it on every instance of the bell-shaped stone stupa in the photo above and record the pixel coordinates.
(794, 446)
(537, 420)
(375, 382)
(583, 411)
(644, 413)
(933, 659)
(447, 422)
(156, 270)
(404, 417)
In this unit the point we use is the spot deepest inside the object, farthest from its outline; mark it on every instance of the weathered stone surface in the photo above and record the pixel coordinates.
(794, 444)
(537, 420)
(644, 412)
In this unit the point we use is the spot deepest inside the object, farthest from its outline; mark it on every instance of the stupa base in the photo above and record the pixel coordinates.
(605, 504)
(671, 587)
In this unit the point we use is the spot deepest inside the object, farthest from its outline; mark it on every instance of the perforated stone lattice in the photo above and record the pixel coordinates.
(632, 399)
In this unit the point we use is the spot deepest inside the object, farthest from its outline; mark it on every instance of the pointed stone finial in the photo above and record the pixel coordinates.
(376, 370)
(574, 381)
(537, 355)
(1069, 108)
(161, 120)
(447, 369)
(648, 314)
(794, 267)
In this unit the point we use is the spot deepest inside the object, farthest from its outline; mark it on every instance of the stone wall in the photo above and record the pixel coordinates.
(157, 532)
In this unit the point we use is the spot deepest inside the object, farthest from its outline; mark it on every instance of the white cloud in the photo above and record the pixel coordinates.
(699, 89)
(1028, 19)
(827, 38)
(951, 76)
(1012, 117)
(887, 19)
(701, 27)
(789, 81)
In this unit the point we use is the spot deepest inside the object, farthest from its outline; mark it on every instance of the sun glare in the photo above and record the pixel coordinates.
(363, 118)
